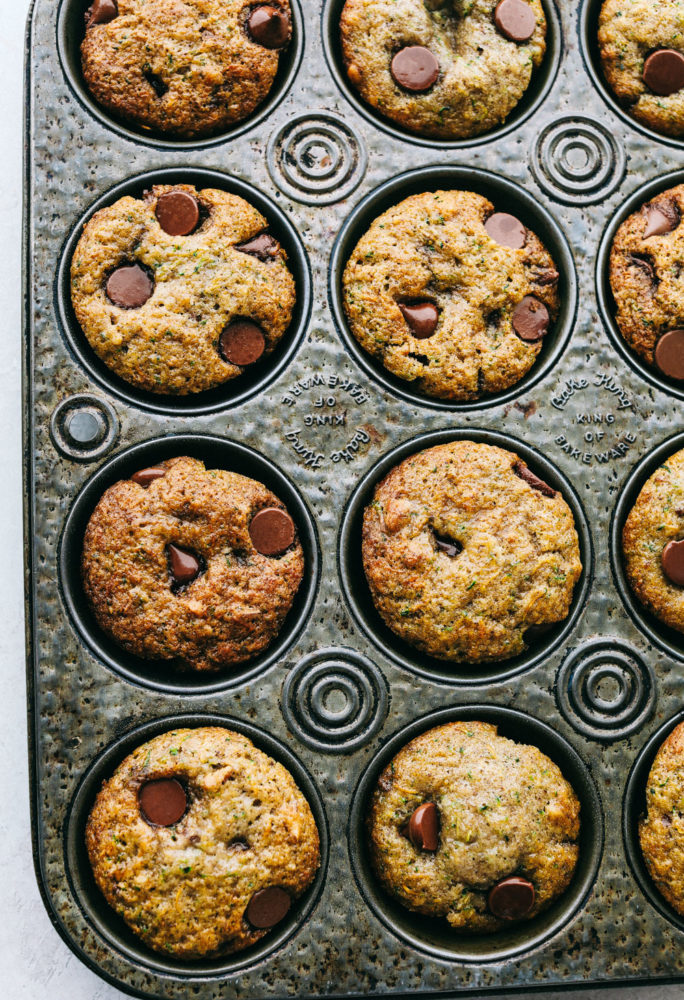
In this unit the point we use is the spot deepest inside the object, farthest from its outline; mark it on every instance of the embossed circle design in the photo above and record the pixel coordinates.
(578, 161)
(605, 689)
(84, 427)
(316, 159)
(335, 700)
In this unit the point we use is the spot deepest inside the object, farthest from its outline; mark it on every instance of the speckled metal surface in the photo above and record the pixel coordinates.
(326, 421)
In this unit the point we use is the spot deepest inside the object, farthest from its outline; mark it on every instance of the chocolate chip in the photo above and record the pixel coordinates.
(672, 560)
(506, 230)
(129, 287)
(162, 802)
(101, 12)
(521, 470)
(544, 276)
(661, 218)
(262, 246)
(185, 566)
(531, 319)
(269, 26)
(415, 68)
(512, 898)
(156, 82)
(447, 545)
(515, 20)
(146, 476)
(272, 531)
(177, 212)
(242, 342)
(645, 267)
(268, 907)
(423, 828)
(664, 72)
(669, 354)
(421, 318)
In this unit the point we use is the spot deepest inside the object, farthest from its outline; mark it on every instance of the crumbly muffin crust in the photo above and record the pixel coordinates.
(505, 809)
(171, 343)
(184, 889)
(184, 68)
(434, 247)
(661, 831)
(482, 74)
(231, 611)
(462, 555)
(656, 519)
(629, 30)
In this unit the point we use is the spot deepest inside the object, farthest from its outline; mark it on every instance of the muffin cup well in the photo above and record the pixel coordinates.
(358, 595)
(506, 196)
(216, 453)
(236, 390)
(656, 631)
(537, 91)
(634, 807)
(604, 292)
(434, 935)
(106, 921)
(70, 33)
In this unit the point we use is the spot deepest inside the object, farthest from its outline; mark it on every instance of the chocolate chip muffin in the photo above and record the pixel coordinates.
(451, 295)
(642, 55)
(201, 842)
(661, 831)
(183, 68)
(467, 552)
(448, 69)
(467, 825)
(653, 543)
(181, 290)
(198, 566)
(647, 280)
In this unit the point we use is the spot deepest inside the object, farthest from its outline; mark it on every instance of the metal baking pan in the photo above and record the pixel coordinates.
(337, 693)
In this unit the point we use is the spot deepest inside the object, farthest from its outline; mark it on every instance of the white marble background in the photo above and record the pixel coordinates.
(34, 961)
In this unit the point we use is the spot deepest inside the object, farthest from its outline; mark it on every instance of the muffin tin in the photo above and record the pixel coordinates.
(336, 694)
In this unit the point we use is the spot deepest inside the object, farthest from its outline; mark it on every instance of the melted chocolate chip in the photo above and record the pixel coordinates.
(661, 218)
(269, 26)
(506, 230)
(146, 476)
(156, 82)
(447, 545)
(415, 68)
(423, 828)
(263, 246)
(177, 212)
(185, 566)
(421, 318)
(672, 560)
(521, 470)
(515, 20)
(645, 267)
(531, 319)
(272, 531)
(162, 802)
(101, 12)
(544, 276)
(512, 898)
(129, 287)
(664, 72)
(242, 342)
(669, 354)
(268, 907)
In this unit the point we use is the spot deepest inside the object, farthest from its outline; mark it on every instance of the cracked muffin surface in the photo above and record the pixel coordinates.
(465, 549)
(173, 569)
(629, 32)
(652, 542)
(503, 813)
(647, 282)
(476, 75)
(183, 68)
(169, 336)
(234, 827)
(661, 831)
(442, 251)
